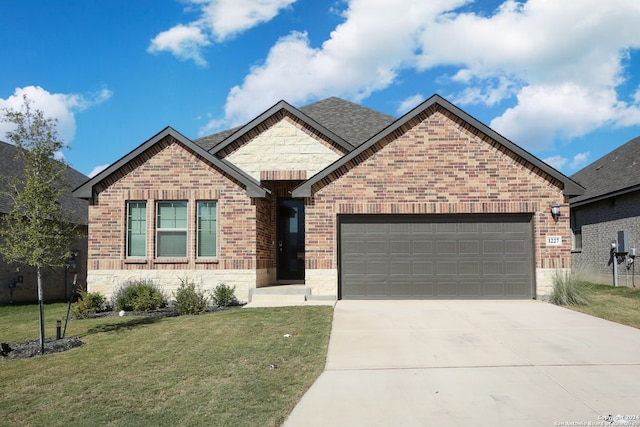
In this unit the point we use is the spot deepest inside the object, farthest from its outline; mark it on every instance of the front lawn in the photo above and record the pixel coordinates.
(212, 369)
(618, 304)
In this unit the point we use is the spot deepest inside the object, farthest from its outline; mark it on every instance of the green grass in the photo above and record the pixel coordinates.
(210, 370)
(618, 304)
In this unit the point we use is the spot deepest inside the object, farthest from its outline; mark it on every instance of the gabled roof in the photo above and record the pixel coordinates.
(10, 166)
(570, 187)
(347, 122)
(615, 173)
(253, 188)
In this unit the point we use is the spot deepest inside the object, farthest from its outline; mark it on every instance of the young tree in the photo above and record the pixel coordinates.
(37, 231)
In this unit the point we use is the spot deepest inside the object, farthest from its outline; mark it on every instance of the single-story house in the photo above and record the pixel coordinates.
(610, 203)
(348, 202)
(18, 284)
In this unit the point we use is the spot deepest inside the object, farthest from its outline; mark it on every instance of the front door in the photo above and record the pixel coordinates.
(290, 243)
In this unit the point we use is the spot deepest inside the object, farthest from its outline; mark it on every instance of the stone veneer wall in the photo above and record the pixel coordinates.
(436, 164)
(169, 171)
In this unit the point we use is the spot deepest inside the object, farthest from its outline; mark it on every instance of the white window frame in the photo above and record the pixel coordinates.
(198, 229)
(159, 230)
(128, 236)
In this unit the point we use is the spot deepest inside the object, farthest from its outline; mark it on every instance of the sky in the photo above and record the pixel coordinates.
(561, 79)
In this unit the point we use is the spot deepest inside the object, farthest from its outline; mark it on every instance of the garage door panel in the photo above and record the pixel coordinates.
(436, 256)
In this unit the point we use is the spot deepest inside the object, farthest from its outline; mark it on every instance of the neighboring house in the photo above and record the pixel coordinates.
(19, 283)
(349, 202)
(611, 203)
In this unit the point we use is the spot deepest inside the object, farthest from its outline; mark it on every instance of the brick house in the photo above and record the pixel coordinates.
(344, 201)
(18, 284)
(611, 203)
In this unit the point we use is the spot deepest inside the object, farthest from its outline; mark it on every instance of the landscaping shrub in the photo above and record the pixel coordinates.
(189, 298)
(568, 289)
(88, 303)
(139, 295)
(224, 296)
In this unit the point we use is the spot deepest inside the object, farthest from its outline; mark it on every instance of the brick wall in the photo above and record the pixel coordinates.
(437, 164)
(169, 171)
(601, 222)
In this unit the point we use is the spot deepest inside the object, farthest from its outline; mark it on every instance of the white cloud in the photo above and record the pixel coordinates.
(96, 170)
(409, 103)
(556, 162)
(219, 20)
(59, 106)
(579, 160)
(556, 64)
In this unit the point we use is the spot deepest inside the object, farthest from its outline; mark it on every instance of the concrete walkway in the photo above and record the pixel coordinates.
(473, 363)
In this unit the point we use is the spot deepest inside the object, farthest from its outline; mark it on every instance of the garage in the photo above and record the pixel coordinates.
(436, 256)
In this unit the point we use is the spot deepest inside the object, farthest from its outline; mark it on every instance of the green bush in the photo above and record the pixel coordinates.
(224, 296)
(139, 295)
(568, 289)
(88, 303)
(189, 298)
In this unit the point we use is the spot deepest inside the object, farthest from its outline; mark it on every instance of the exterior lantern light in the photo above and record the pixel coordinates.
(555, 210)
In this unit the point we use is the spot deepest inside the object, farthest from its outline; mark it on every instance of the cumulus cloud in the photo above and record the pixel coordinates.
(219, 20)
(59, 106)
(553, 68)
(409, 103)
(96, 170)
(579, 160)
(556, 162)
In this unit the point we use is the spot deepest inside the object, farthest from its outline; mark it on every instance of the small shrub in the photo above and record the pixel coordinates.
(190, 299)
(139, 295)
(88, 303)
(568, 289)
(224, 296)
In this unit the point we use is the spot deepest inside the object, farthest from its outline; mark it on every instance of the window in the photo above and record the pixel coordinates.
(136, 229)
(171, 230)
(207, 213)
(576, 228)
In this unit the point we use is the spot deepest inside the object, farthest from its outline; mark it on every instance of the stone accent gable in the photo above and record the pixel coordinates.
(284, 145)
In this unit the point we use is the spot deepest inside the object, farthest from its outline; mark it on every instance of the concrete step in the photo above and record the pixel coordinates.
(281, 293)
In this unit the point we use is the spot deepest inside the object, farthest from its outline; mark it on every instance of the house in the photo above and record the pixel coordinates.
(611, 203)
(19, 283)
(346, 201)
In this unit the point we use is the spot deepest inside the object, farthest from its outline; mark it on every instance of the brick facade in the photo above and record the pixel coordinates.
(600, 222)
(437, 165)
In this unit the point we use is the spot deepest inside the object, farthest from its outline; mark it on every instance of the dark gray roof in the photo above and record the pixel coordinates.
(616, 173)
(351, 123)
(252, 187)
(570, 187)
(10, 166)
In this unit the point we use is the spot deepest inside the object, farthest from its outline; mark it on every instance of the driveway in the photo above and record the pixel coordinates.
(473, 363)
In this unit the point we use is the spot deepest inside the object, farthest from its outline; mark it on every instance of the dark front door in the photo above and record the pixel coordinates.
(290, 243)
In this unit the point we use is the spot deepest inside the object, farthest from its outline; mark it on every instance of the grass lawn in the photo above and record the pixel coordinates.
(211, 369)
(618, 304)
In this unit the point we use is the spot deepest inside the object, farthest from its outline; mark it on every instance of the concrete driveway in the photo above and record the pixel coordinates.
(473, 363)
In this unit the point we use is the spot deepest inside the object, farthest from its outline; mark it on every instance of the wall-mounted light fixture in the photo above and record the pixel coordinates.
(555, 210)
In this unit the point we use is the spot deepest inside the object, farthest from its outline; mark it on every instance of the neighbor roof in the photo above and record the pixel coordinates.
(615, 173)
(570, 187)
(13, 166)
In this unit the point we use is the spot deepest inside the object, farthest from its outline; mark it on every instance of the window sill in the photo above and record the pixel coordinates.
(207, 261)
(135, 261)
(171, 260)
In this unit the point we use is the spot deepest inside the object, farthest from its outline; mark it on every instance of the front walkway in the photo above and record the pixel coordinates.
(472, 363)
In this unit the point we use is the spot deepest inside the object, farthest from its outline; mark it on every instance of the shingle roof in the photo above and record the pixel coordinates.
(10, 166)
(569, 186)
(351, 122)
(614, 173)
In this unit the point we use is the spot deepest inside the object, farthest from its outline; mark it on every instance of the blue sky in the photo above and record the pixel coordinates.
(561, 79)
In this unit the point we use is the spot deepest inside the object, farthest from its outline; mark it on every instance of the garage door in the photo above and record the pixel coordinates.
(435, 256)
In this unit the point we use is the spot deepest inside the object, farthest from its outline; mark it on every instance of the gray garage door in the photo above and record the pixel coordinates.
(436, 256)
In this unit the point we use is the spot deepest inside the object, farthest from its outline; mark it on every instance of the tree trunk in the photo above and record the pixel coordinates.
(41, 304)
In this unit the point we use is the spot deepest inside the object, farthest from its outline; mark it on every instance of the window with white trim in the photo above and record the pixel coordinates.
(171, 229)
(136, 229)
(207, 228)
